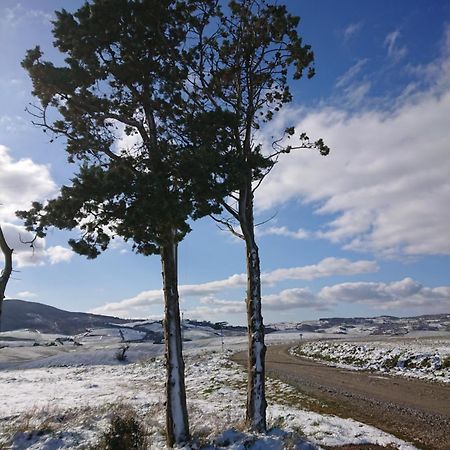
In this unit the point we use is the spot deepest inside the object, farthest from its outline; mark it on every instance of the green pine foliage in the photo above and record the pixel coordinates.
(126, 72)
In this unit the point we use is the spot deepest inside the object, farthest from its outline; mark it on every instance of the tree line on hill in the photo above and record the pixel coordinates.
(189, 83)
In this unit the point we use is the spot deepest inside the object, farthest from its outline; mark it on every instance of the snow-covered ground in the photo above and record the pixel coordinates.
(419, 358)
(65, 398)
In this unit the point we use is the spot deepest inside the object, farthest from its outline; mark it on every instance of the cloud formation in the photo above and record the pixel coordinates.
(58, 254)
(37, 254)
(403, 294)
(406, 294)
(325, 268)
(395, 51)
(385, 187)
(21, 182)
(18, 14)
(283, 231)
(26, 295)
(350, 75)
(352, 30)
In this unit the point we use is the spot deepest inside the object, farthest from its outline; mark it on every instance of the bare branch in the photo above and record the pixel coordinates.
(230, 209)
(267, 220)
(31, 242)
(227, 223)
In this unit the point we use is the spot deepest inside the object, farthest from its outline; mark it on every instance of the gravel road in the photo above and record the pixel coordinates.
(414, 410)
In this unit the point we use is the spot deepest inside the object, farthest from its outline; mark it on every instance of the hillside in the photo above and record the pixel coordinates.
(381, 325)
(20, 314)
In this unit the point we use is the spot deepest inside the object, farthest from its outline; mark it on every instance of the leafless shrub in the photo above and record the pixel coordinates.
(121, 353)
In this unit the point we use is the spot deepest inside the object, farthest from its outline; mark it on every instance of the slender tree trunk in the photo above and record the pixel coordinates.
(176, 411)
(256, 397)
(6, 272)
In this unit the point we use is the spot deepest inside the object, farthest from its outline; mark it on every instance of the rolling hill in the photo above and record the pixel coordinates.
(20, 314)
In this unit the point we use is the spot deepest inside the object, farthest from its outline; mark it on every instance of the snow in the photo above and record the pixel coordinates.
(65, 401)
(127, 333)
(417, 358)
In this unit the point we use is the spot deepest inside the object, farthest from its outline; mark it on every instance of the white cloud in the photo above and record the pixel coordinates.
(25, 295)
(283, 231)
(351, 73)
(59, 254)
(395, 51)
(213, 313)
(17, 15)
(23, 253)
(21, 182)
(32, 254)
(355, 94)
(13, 124)
(325, 268)
(352, 30)
(386, 181)
(126, 143)
(403, 295)
(293, 299)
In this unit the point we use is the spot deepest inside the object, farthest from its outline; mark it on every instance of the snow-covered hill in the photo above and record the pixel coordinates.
(71, 406)
(382, 325)
(45, 377)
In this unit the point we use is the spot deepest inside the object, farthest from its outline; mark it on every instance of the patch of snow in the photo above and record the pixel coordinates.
(76, 402)
(418, 358)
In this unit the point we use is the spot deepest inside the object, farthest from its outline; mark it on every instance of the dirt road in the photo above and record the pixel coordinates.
(414, 410)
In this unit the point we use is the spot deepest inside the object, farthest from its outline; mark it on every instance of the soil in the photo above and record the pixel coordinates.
(413, 410)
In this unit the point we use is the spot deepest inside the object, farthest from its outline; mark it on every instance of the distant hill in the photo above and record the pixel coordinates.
(381, 325)
(19, 314)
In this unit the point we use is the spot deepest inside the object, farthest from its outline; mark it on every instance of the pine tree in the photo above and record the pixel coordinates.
(242, 67)
(125, 73)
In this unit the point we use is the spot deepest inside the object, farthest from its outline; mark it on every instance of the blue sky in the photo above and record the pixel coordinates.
(365, 231)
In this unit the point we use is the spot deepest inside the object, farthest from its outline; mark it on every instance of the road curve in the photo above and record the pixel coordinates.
(414, 410)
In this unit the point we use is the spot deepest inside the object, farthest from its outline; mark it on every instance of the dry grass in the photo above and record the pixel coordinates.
(35, 422)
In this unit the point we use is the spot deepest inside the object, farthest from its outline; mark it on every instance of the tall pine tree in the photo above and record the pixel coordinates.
(242, 66)
(124, 80)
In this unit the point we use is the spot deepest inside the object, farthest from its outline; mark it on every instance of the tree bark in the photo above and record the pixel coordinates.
(177, 425)
(256, 397)
(6, 272)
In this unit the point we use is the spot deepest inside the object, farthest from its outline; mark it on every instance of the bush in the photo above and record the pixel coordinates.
(125, 432)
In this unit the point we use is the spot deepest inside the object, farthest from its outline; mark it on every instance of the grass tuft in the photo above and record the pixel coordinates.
(125, 432)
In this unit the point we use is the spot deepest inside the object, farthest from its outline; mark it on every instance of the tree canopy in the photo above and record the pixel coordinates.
(146, 159)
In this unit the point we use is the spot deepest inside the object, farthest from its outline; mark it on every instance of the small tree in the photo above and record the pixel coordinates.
(125, 70)
(7, 269)
(242, 67)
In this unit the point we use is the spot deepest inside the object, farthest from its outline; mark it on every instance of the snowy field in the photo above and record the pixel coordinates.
(65, 398)
(418, 358)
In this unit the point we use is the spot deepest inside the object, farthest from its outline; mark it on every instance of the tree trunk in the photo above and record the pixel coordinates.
(256, 397)
(6, 272)
(176, 411)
